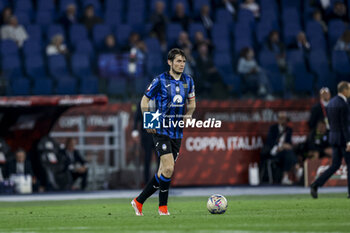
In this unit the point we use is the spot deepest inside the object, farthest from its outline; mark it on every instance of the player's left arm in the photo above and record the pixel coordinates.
(191, 100)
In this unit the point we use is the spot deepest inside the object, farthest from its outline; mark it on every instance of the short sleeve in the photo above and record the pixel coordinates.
(153, 88)
(191, 91)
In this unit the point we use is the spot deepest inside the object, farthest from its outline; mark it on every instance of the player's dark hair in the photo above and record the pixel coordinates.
(343, 86)
(173, 52)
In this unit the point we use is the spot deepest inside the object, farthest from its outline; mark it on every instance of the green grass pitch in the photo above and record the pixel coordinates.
(245, 214)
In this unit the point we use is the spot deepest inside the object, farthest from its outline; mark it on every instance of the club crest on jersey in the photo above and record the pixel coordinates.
(164, 147)
(177, 89)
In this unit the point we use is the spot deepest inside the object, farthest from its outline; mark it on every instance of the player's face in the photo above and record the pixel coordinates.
(178, 64)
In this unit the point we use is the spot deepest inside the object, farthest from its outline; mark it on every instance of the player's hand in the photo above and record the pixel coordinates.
(152, 131)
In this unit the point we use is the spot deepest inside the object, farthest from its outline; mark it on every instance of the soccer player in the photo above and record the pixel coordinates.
(172, 91)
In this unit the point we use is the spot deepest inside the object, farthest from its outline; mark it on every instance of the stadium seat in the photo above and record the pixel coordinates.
(290, 32)
(44, 18)
(197, 5)
(153, 44)
(77, 33)
(268, 62)
(262, 31)
(35, 67)
(117, 87)
(24, 18)
(8, 47)
(113, 5)
(23, 6)
(135, 17)
(243, 38)
(57, 66)
(122, 33)
(335, 30)
(32, 47)
(246, 18)
(291, 4)
(64, 3)
(20, 86)
(85, 47)
(81, 66)
(196, 27)
(11, 66)
(99, 33)
(88, 85)
(66, 86)
(172, 32)
(341, 64)
(112, 18)
(35, 32)
(46, 5)
(54, 29)
(222, 16)
(42, 86)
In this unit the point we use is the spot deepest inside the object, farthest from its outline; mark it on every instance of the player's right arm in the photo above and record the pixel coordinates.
(150, 93)
(145, 108)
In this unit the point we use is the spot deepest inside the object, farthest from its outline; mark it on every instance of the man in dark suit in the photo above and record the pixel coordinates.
(75, 163)
(18, 166)
(318, 111)
(339, 136)
(279, 146)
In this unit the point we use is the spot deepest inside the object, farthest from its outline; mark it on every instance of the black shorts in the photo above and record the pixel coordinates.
(165, 145)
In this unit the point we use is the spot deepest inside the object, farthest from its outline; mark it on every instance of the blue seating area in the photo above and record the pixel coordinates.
(29, 71)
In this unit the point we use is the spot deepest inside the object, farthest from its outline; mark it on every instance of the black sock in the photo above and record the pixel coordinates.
(164, 184)
(151, 187)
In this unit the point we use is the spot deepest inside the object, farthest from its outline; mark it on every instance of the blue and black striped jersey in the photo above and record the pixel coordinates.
(170, 97)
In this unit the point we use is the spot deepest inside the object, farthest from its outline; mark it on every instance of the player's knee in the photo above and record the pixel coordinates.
(168, 171)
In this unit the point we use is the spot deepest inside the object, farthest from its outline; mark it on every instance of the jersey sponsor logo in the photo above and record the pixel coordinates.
(177, 99)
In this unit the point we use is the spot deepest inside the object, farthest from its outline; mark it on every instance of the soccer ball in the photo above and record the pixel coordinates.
(217, 204)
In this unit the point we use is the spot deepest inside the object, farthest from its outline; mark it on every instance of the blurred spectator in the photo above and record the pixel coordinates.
(301, 43)
(200, 39)
(56, 46)
(343, 42)
(136, 46)
(210, 83)
(190, 62)
(252, 6)
(230, 5)
(20, 165)
(89, 18)
(69, 17)
(6, 14)
(254, 78)
(279, 147)
(318, 111)
(338, 12)
(14, 31)
(109, 45)
(181, 17)
(317, 145)
(205, 18)
(159, 23)
(75, 163)
(183, 41)
(276, 46)
(317, 16)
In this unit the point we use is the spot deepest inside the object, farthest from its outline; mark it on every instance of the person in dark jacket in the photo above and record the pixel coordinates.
(318, 111)
(339, 136)
(75, 163)
(279, 144)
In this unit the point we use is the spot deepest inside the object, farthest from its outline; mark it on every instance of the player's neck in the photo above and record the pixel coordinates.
(175, 75)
